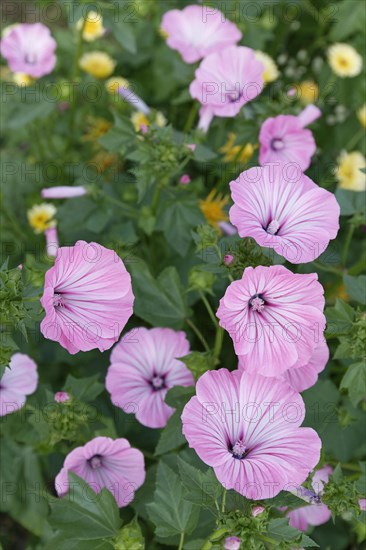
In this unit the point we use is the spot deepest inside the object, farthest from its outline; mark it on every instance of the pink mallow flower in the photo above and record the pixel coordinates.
(63, 192)
(144, 366)
(30, 49)
(104, 462)
(303, 378)
(288, 213)
(362, 504)
(197, 31)
(87, 296)
(285, 139)
(19, 380)
(275, 318)
(247, 428)
(316, 513)
(225, 81)
(61, 397)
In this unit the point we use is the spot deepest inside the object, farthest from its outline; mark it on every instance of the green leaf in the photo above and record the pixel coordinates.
(161, 301)
(120, 135)
(203, 154)
(19, 114)
(280, 530)
(83, 515)
(85, 389)
(350, 201)
(356, 287)
(201, 488)
(172, 436)
(339, 318)
(354, 381)
(170, 512)
(198, 362)
(124, 34)
(178, 214)
(351, 18)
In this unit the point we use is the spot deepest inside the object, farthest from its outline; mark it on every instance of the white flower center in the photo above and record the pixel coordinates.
(273, 227)
(157, 382)
(277, 144)
(256, 303)
(238, 449)
(58, 300)
(95, 461)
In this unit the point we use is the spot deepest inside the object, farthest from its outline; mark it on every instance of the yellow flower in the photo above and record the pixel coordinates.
(98, 64)
(93, 27)
(348, 171)
(22, 79)
(97, 127)
(139, 119)
(344, 60)
(237, 153)
(213, 208)
(160, 119)
(114, 83)
(361, 115)
(307, 91)
(271, 71)
(40, 217)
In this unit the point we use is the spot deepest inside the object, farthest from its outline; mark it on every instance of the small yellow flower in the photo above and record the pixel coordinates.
(97, 127)
(114, 83)
(361, 115)
(344, 60)
(160, 119)
(213, 208)
(22, 79)
(237, 153)
(93, 27)
(97, 64)
(139, 119)
(307, 91)
(348, 171)
(40, 217)
(271, 71)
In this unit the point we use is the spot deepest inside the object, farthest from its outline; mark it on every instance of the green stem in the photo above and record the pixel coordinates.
(208, 307)
(223, 502)
(32, 298)
(218, 342)
(155, 201)
(127, 209)
(75, 74)
(355, 139)
(328, 269)
(347, 243)
(199, 334)
(181, 541)
(190, 119)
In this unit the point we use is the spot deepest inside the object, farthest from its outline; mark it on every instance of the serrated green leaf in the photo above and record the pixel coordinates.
(354, 381)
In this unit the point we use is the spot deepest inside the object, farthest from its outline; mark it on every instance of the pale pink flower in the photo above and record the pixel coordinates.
(144, 366)
(225, 81)
(247, 428)
(30, 49)
(284, 138)
(232, 543)
(197, 31)
(287, 212)
(105, 462)
(61, 396)
(87, 297)
(275, 318)
(52, 244)
(19, 380)
(191, 147)
(316, 513)
(63, 192)
(227, 228)
(362, 504)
